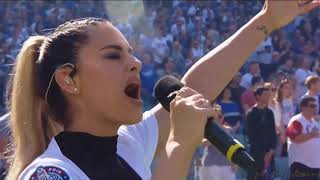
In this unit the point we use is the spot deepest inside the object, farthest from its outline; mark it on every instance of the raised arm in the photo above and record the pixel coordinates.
(213, 71)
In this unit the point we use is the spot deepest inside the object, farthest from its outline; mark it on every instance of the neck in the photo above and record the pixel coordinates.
(94, 125)
(312, 93)
(261, 105)
(307, 116)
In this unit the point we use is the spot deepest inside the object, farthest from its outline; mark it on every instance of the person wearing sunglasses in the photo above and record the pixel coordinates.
(76, 110)
(304, 142)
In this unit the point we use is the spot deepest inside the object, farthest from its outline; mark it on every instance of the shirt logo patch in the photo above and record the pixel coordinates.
(49, 173)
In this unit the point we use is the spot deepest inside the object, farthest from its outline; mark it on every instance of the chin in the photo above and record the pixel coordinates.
(134, 119)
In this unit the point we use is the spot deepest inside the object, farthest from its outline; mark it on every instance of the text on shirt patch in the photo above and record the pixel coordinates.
(49, 173)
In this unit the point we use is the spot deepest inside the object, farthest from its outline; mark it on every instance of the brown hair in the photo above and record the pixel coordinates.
(311, 80)
(279, 96)
(33, 121)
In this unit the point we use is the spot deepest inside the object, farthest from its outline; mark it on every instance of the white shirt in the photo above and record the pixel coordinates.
(301, 75)
(246, 80)
(306, 152)
(288, 110)
(160, 45)
(136, 145)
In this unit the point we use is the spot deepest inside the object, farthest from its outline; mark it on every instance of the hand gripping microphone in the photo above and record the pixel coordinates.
(225, 143)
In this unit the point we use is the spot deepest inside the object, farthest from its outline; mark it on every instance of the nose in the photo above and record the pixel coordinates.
(135, 65)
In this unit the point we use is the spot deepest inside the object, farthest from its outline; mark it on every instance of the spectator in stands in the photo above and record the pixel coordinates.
(160, 47)
(313, 85)
(268, 61)
(301, 74)
(230, 109)
(262, 135)
(304, 142)
(179, 26)
(248, 98)
(148, 75)
(236, 89)
(287, 67)
(254, 70)
(4, 141)
(213, 164)
(196, 49)
(177, 56)
(286, 106)
(275, 107)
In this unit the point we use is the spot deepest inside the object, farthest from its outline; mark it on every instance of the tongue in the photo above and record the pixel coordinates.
(131, 91)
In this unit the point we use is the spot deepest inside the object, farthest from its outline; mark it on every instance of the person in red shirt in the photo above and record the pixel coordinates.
(248, 98)
(304, 142)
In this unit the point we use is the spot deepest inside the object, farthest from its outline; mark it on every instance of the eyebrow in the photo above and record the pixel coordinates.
(116, 47)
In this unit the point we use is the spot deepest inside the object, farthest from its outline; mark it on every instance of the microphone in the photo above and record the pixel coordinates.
(226, 144)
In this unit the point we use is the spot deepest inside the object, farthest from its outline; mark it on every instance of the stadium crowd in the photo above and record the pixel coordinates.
(170, 36)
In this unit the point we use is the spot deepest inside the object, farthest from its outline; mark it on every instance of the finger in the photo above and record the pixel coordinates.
(195, 97)
(265, 4)
(309, 5)
(207, 110)
(186, 92)
(202, 103)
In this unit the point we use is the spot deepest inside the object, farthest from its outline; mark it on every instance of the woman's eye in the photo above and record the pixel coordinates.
(113, 56)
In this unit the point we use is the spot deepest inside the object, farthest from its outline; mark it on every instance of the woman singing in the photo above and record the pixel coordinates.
(76, 112)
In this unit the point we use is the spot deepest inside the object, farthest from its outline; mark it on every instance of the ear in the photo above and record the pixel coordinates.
(67, 83)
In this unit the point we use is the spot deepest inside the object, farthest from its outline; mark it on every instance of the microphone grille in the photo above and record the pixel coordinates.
(164, 87)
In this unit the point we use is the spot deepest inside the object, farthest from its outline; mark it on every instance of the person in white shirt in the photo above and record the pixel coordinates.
(286, 108)
(160, 46)
(301, 74)
(304, 142)
(254, 70)
(313, 85)
(82, 82)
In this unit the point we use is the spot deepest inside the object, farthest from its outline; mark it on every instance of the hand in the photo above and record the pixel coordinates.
(280, 12)
(199, 162)
(188, 115)
(234, 168)
(283, 138)
(315, 133)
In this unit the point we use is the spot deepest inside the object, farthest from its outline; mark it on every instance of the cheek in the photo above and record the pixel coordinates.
(100, 85)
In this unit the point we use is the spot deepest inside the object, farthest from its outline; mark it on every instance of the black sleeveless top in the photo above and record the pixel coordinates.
(95, 156)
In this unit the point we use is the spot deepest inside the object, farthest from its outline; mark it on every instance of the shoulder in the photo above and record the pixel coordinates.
(48, 168)
(247, 76)
(137, 143)
(252, 110)
(149, 123)
(296, 118)
(269, 110)
(52, 165)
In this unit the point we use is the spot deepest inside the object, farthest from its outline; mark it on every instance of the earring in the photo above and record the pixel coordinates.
(75, 89)
(67, 80)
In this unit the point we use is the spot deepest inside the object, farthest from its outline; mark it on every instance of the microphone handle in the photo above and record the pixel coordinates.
(227, 145)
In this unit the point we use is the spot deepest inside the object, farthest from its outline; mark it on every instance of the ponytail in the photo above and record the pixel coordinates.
(31, 128)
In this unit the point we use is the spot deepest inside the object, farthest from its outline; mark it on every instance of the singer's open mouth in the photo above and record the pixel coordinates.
(133, 90)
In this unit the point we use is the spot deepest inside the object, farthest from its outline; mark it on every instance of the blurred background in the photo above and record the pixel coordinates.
(168, 37)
